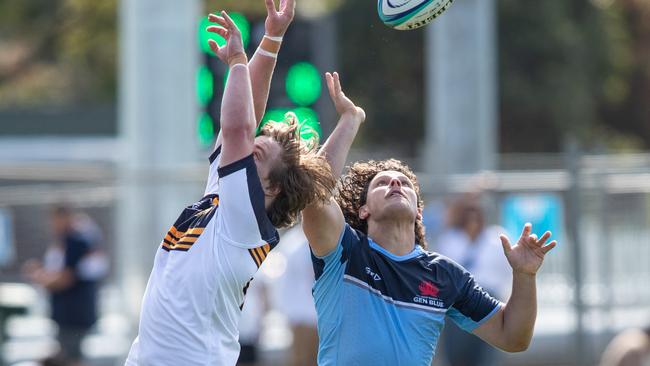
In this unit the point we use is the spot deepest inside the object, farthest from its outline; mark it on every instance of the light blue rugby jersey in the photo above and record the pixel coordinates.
(375, 308)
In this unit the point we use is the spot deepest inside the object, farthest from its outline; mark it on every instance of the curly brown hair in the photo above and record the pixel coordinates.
(353, 192)
(303, 177)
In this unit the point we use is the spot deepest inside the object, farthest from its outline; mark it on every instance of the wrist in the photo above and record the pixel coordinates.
(352, 115)
(278, 38)
(356, 114)
(238, 58)
(275, 33)
(270, 46)
(523, 275)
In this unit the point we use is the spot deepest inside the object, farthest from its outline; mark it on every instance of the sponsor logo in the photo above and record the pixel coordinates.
(372, 274)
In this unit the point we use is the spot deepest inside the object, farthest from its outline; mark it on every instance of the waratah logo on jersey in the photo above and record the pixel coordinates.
(428, 289)
(428, 295)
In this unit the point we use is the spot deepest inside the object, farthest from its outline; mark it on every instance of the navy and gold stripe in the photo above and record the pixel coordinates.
(259, 254)
(190, 224)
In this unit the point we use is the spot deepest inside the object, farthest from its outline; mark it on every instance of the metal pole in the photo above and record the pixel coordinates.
(461, 90)
(157, 124)
(573, 226)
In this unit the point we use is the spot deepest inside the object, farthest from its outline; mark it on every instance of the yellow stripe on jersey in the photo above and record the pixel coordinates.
(181, 240)
(176, 246)
(190, 224)
(256, 258)
(259, 254)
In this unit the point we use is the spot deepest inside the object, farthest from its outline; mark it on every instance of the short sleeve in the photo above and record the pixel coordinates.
(212, 186)
(242, 217)
(473, 305)
(328, 270)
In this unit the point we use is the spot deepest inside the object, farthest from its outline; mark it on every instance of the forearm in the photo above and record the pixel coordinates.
(237, 104)
(261, 69)
(520, 312)
(55, 280)
(337, 146)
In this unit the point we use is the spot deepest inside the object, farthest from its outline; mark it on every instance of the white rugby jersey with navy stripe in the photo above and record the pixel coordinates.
(202, 269)
(376, 308)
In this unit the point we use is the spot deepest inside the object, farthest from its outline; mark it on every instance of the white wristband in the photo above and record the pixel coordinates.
(274, 39)
(266, 53)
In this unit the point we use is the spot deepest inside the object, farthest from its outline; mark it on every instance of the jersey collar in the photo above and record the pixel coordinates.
(417, 250)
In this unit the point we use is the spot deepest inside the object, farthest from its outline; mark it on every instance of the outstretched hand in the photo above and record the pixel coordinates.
(277, 21)
(342, 103)
(228, 31)
(528, 255)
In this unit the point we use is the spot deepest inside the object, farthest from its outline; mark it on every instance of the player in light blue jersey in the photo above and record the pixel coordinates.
(381, 297)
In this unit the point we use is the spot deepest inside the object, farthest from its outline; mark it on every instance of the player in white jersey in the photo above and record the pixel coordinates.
(196, 290)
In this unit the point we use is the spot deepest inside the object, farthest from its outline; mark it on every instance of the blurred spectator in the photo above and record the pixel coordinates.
(296, 301)
(476, 247)
(73, 264)
(629, 348)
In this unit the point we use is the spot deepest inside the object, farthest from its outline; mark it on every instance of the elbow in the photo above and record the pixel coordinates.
(515, 346)
(237, 131)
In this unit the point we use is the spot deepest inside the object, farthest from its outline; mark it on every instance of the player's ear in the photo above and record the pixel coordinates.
(364, 213)
(419, 215)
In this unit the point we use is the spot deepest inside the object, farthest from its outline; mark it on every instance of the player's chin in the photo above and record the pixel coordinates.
(401, 208)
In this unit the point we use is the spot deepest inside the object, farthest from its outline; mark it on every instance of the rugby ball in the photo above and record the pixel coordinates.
(410, 14)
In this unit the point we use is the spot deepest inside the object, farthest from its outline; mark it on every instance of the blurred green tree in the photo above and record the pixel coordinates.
(561, 64)
(57, 52)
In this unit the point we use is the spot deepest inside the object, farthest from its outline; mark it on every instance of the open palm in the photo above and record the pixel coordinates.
(528, 254)
(228, 31)
(277, 22)
(342, 103)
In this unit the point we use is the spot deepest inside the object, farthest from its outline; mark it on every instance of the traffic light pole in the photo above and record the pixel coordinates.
(157, 114)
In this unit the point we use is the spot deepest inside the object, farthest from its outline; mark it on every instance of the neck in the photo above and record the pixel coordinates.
(397, 237)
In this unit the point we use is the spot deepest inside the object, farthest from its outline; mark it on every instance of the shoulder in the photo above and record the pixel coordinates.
(352, 236)
(443, 266)
(439, 260)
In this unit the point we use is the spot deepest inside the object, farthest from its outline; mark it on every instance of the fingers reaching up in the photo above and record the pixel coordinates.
(277, 21)
(342, 103)
(228, 30)
(529, 252)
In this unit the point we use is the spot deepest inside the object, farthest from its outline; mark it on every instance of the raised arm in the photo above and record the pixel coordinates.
(511, 329)
(237, 115)
(323, 224)
(337, 146)
(263, 62)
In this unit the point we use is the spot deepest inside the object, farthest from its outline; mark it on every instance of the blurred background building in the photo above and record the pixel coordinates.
(111, 107)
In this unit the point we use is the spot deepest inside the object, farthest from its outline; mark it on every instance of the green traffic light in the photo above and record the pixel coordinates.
(303, 84)
(204, 85)
(205, 130)
(240, 20)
